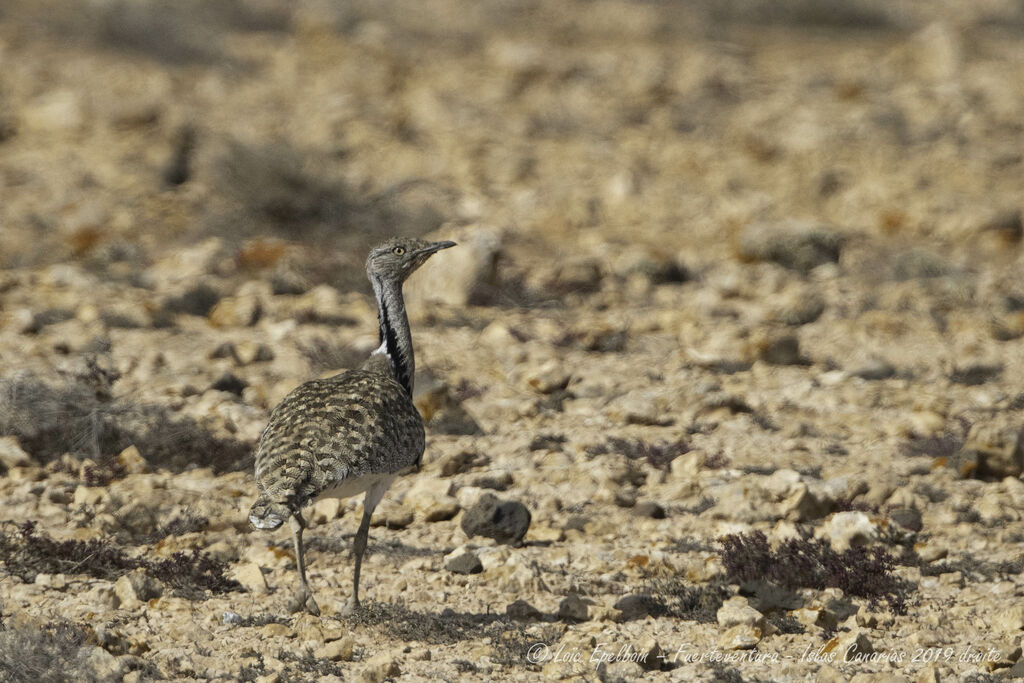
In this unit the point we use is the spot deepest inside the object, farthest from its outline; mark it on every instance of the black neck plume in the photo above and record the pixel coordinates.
(395, 337)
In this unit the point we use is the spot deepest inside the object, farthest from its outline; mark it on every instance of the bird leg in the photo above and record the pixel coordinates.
(303, 599)
(373, 496)
(358, 549)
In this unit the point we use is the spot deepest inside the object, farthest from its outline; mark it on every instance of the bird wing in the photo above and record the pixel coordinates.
(349, 425)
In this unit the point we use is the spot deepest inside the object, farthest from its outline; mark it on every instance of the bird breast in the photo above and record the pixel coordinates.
(351, 486)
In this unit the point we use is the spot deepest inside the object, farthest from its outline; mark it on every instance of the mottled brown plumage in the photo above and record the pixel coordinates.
(358, 423)
(350, 433)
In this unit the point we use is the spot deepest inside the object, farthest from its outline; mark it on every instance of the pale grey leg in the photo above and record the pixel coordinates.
(370, 502)
(303, 596)
(358, 548)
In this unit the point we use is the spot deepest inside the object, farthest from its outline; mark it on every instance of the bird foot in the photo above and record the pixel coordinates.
(303, 601)
(350, 608)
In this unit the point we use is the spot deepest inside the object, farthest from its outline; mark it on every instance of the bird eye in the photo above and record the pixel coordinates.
(398, 251)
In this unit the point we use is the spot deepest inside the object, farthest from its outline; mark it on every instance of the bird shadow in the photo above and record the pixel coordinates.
(510, 638)
(393, 549)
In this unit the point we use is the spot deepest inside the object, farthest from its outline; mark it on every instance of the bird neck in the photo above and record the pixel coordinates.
(395, 336)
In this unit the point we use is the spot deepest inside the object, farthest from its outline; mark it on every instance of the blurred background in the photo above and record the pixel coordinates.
(800, 182)
(298, 133)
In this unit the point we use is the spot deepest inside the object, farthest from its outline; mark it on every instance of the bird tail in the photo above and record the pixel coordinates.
(268, 514)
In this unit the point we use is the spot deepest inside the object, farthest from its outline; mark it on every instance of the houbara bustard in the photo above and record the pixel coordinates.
(354, 432)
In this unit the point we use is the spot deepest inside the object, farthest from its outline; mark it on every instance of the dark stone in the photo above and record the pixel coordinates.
(573, 608)
(137, 519)
(199, 300)
(555, 399)
(625, 497)
(661, 272)
(179, 167)
(575, 276)
(975, 373)
(1017, 670)
(908, 518)
(288, 282)
(550, 442)
(230, 383)
(784, 350)
(465, 563)
(460, 463)
(522, 610)
(504, 521)
(965, 463)
(829, 183)
(649, 508)
(577, 522)
(223, 350)
(638, 606)
(497, 482)
(453, 419)
(919, 264)
(875, 370)
(1009, 224)
(792, 245)
(46, 317)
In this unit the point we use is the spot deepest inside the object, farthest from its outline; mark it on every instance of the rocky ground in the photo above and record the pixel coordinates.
(736, 316)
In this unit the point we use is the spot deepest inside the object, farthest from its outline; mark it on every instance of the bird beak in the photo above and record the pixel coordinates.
(435, 246)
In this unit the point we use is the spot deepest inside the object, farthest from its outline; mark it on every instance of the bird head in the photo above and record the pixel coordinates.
(399, 257)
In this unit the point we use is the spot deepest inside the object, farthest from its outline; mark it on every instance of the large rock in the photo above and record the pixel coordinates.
(846, 529)
(56, 111)
(379, 667)
(815, 616)
(522, 611)
(641, 408)
(182, 270)
(504, 521)
(991, 452)
(797, 307)
(793, 245)
(137, 518)
(235, 311)
(856, 644)
(637, 606)
(779, 349)
(548, 377)
(1010, 620)
(11, 454)
(441, 411)
(132, 461)
(102, 665)
(429, 497)
(805, 503)
(573, 608)
(338, 650)
(469, 275)
(322, 304)
(737, 611)
(392, 516)
(463, 561)
(932, 54)
(136, 588)
(325, 510)
(250, 575)
(740, 637)
(243, 309)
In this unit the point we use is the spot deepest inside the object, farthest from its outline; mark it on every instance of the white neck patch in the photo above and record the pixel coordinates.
(382, 350)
